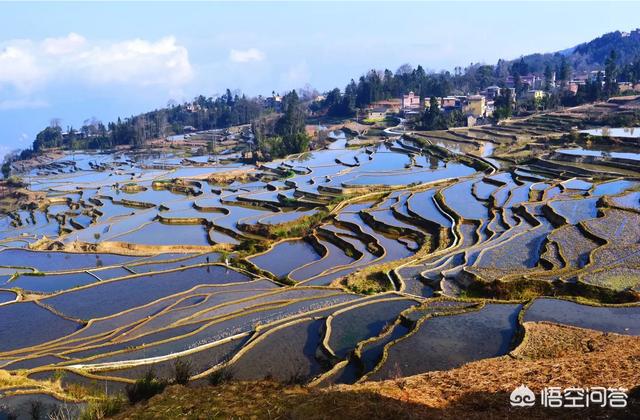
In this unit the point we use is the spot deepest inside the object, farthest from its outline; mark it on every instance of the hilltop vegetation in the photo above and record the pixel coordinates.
(592, 54)
(202, 114)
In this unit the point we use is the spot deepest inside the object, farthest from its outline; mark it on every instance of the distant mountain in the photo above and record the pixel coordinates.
(589, 55)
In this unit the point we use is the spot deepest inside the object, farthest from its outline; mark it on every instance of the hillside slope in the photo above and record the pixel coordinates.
(589, 55)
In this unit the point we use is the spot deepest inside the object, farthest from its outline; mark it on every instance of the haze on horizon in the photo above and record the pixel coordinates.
(74, 61)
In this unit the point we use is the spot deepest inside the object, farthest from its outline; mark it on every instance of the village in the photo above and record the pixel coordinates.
(479, 108)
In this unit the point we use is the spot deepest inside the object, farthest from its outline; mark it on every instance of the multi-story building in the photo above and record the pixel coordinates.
(491, 92)
(535, 94)
(450, 103)
(411, 101)
(573, 87)
(475, 105)
(392, 105)
(378, 113)
(530, 80)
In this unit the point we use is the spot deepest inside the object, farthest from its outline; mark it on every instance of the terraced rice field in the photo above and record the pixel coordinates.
(339, 266)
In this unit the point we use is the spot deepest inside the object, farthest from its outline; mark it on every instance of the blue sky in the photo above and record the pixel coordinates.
(78, 60)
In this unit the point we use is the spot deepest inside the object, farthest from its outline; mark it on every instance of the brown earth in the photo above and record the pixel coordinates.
(551, 355)
(43, 159)
(12, 198)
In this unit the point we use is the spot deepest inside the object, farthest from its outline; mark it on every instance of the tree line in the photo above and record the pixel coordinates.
(202, 114)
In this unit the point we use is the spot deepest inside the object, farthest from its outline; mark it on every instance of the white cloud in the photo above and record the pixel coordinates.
(245, 56)
(19, 68)
(22, 103)
(138, 62)
(26, 65)
(64, 45)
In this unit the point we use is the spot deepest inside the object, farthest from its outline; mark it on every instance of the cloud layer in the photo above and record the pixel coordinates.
(245, 56)
(27, 66)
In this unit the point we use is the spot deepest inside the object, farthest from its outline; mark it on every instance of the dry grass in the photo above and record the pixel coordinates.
(368, 281)
(552, 355)
(18, 382)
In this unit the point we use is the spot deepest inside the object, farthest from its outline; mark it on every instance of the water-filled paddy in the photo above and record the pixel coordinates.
(444, 342)
(630, 200)
(156, 233)
(465, 222)
(451, 170)
(459, 198)
(423, 205)
(41, 324)
(199, 361)
(283, 354)
(118, 295)
(358, 324)
(621, 320)
(285, 257)
(612, 187)
(7, 296)
(53, 282)
(59, 261)
(631, 132)
(335, 257)
(575, 211)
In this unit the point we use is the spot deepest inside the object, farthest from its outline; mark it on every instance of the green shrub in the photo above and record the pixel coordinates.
(182, 371)
(58, 375)
(296, 378)
(220, 376)
(252, 246)
(15, 181)
(145, 388)
(297, 228)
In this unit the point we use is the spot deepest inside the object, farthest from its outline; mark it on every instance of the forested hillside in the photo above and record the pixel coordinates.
(590, 55)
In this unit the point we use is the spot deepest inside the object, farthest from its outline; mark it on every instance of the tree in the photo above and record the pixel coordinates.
(6, 169)
(47, 138)
(483, 77)
(404, 69)
(432, 117)
(521, 67)
(563, 71)
(503, 104)
(548, 78)
(140, 131)
(517, 84)
(610, 75)
(8, 159)
(338, 105)
(72, 141)
(162, 124)
(291, 126)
